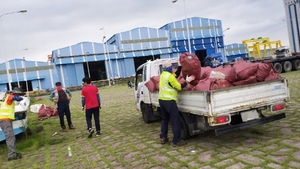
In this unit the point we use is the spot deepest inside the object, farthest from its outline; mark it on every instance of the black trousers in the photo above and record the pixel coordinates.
(170, 113)
(88, 116)
(63, 108)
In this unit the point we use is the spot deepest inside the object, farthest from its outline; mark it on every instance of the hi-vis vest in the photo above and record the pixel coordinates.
(166, 92)
(7, 111)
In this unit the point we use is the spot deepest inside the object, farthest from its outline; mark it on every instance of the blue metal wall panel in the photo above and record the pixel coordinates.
(3, 88)
(35, 84)
(72, 75)
(79, 73)
(129, 67)
(65, 52)
(76, 49)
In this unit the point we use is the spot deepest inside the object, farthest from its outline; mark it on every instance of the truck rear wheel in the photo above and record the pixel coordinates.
(296, 64)
(147, 113)
(287, 66)
(277, 66)
(184, 131)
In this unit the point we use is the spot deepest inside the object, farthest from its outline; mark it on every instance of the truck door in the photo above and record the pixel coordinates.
(138, 80)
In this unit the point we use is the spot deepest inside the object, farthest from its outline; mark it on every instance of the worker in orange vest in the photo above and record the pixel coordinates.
(7, 115)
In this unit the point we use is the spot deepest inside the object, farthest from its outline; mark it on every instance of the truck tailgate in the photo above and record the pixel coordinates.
(233, 99)
(248, 96)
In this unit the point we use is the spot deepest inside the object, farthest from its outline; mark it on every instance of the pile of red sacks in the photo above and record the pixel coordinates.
(207, 78)
(47, 111)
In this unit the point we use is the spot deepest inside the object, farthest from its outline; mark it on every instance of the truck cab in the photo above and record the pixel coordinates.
(142, 93)
(283, 51)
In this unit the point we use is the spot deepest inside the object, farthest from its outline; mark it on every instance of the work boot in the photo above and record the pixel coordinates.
(179, 143)
(72, 127)
(63, 129)
(164, 140)
(15, 157)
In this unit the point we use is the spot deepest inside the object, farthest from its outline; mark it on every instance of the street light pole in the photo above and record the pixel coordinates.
(87, 64)
(187, 26)
(7, 70)
(107, 50)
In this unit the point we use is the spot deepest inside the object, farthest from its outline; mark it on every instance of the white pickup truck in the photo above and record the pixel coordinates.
(222, 110)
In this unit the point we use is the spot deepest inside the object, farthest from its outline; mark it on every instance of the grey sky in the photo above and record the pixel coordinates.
(49, 25)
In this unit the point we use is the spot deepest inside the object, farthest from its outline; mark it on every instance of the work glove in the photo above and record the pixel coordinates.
(190, 78)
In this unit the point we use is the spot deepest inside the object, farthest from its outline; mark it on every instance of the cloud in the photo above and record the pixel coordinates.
(49, 25)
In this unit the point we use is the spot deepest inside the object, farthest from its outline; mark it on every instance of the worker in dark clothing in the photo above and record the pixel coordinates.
(61, 97)
(168, 87)
(7, 115)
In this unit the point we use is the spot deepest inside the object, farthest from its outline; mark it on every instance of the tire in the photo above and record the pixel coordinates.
(287, 66)
(184, 131)
(147, 113)
(296, 64)
(277, 66)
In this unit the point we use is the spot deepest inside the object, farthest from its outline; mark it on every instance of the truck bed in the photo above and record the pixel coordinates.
(230, 100)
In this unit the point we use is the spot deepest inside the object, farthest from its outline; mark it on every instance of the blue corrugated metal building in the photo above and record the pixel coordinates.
(122, 53)
(27, 74)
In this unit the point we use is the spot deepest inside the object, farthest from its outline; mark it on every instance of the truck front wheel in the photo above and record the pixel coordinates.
(184, 132)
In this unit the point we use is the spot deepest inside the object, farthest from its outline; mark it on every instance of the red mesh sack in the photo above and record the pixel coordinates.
(245, 69)
(205, 72)
(220, 84)
(155, 80)
(272, 75)
(42, 111)
(45, 111)
(54, 112)
(204, 84)
(190, 66)
(150, 85)
(228, 71)
(249, 80)
(188, 87)
(263, 71)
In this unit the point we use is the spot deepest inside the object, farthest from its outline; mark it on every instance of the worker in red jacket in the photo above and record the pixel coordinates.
(7, 115)
(91, 103)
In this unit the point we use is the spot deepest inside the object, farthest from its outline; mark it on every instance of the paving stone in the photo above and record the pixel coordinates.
(206, 156)
(296, 155)
(224, 162)
(278, 159)
(249, 159)
(236, 166)
(275, 166)
(294, 164)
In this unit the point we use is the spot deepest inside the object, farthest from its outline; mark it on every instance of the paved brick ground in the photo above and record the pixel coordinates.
(127, 142)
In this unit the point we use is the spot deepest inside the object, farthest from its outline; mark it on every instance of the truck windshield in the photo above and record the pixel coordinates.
(280, 52)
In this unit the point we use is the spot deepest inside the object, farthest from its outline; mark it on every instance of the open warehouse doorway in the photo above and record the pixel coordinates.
(201, 54)
(140, 60)
(96, 70)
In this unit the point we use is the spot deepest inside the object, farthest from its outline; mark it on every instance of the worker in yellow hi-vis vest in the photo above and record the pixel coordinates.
(168, 87)
(7, 115)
